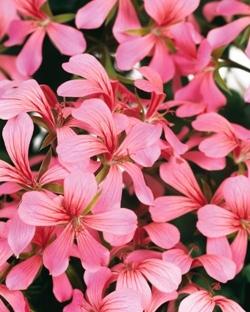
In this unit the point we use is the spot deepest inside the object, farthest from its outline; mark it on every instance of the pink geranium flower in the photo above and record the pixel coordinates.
(232, 216)
(122, 300)
(143, 266)
(72, 212)
(93, 14)
(227, 138)
(158, 39)
(104, 141)
(38, 23)
(203, 301)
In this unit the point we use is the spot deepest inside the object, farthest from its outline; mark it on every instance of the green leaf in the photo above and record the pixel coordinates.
(55, 188)
(111, 15)
(45, 164)
(63, 18)
(48, 140)
(45, 8)
(221, 83)
(246, 272)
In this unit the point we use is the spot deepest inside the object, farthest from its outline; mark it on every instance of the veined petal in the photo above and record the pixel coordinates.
(214, 221)
(199, 301)
(23, 274)
(62, 288)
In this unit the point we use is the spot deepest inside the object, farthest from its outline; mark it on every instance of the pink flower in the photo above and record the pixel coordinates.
(7, 15)
(104, 141)
(233, 216)
(38, 23)
(178, 174)
(141, 266)
(123, 300)
(96, 83)
(158, 40)
(93, 14)
(17, 135)
(72, 211)
(202, 301)
(222, 36)
(227, 138)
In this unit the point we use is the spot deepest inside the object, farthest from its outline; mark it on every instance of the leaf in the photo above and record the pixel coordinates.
(111, 14)
(48, 140)
(46, 9)
(39, 121)
(221, 83)
(54, 187)
(45, 164)
(63, 18)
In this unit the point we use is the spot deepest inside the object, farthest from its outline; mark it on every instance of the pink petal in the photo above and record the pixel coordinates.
(239, 249)
(124, 300)
(227, 305)
(178, 147)
(30, 57)
(61, 35)
(213, 122)
(167, 208)
(223, 35)
(97, 119)
(20, 235)
(220, 268)
(236, 192)
(17, 135)
(79, 190)
(37, 208)
(136, 281)
(62, 288)
(56, 255)
(219, 246)
(96, 283)
(179, 175)
(199, 301)
(133, 142)
(93, 254)
(119, 221)
(218, 145)
(214, 221)
(78, 304)
(75, 151)
(88, 67)
(111, 191)
(169, 12)
(22, 275)
(54, 173)
(204, 161)
(126, 19)
(162, 61)
(5, 251)
(164, 235)
(14, 298)
(93, 14)
(18, 30)
(133, 51)
(164, 276)
(180, 258)
(142, 191)
(159, 298)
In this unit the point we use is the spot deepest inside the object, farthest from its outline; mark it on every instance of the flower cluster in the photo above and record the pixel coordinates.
(131, 173)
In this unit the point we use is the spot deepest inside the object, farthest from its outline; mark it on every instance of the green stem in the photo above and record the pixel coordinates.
(230, 63)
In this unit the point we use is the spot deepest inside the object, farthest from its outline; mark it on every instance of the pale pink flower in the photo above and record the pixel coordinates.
(219, 267)
(37, 24)
(227, 138)
(71, 211)
(93, 14)
(140, 147)
(158, 41)
(178, 174)
(17, 134)
(222, 36)
(7, 15)
(123, 300)
(231, 217)
(143, 266)
(202, 301)
(96, 83)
